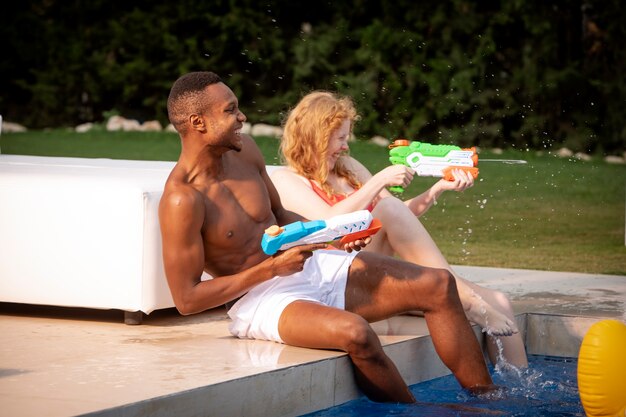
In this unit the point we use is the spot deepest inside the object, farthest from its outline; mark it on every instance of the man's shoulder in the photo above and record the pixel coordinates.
(179, 195)
(250, 152)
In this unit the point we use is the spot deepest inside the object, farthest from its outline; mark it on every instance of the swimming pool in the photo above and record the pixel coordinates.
(547, 388)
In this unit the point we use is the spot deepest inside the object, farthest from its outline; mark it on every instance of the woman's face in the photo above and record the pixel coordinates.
(338, 143)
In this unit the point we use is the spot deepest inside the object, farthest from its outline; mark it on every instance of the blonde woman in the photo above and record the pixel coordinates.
(321, 180)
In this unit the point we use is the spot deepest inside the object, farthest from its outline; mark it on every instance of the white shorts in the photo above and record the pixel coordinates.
(323, 280)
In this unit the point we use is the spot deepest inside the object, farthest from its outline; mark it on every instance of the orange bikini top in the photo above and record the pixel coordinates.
(335, 198)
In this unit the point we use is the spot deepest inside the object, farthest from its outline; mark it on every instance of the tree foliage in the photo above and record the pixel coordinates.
(522, 73)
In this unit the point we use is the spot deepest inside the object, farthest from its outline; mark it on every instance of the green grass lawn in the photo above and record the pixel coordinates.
(550, 214)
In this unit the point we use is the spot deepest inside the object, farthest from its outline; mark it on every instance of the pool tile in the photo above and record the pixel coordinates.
(66, 362)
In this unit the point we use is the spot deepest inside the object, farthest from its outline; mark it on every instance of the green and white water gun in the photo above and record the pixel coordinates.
(428, 160)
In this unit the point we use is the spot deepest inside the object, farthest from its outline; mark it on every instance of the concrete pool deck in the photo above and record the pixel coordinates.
(66, 361)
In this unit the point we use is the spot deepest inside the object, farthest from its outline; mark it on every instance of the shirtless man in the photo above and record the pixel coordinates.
(217, 203)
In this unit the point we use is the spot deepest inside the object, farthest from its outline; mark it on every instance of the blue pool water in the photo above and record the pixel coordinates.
(547, 388)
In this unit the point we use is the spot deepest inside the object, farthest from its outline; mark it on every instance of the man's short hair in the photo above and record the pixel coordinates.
(185, 96)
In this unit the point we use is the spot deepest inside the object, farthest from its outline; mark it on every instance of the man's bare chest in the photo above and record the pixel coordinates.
(236, 211)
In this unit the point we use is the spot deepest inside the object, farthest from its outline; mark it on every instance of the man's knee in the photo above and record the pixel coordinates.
(358, 338)
(443, 283)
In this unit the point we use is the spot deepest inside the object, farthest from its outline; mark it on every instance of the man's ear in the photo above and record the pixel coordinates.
(197, 122)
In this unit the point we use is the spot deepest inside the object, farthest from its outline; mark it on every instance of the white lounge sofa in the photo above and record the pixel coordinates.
(81, 232)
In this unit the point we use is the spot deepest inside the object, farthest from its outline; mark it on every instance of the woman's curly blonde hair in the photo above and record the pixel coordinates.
(307, 131)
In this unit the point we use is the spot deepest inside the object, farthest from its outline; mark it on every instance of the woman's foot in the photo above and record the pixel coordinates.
(492, 321)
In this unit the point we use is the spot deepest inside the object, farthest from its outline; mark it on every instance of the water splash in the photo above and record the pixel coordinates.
(503, 367)
(553, 381)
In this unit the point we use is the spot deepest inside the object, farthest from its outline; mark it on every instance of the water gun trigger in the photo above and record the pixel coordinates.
(370, 231)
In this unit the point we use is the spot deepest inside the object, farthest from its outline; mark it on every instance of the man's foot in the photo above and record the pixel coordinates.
(492, 321)
(464, 409)
(488, 392)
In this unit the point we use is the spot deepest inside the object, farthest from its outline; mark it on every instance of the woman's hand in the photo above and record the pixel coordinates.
(395, 175)
(357, 245)
(462, 181)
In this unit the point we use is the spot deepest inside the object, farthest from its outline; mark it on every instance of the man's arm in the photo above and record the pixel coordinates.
(181, 215)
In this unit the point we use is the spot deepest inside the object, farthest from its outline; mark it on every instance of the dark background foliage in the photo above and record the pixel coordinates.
(507, 73)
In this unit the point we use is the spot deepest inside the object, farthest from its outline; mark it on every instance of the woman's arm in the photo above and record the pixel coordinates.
(297, 195)
(421, 203)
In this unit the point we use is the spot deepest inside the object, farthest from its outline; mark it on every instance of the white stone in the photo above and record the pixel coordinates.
(564, 153)
(261, 129)
(114, 123)
(131, 125)
(582, 156)
(380, 141)
(8, 127)
(152, 126)
(614, 159)
(85, 127)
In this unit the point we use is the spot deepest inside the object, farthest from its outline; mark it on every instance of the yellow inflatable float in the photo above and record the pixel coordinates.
(602, 369)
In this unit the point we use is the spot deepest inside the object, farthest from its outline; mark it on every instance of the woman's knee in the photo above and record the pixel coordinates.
(389, 209)
(502, 301)
(387, 205)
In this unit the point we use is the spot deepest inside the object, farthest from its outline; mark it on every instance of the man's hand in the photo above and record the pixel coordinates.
(292, 260)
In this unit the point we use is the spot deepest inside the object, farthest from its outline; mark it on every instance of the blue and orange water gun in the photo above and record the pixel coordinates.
(346, 228)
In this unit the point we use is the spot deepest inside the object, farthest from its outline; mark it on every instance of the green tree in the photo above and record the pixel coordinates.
(522, 73)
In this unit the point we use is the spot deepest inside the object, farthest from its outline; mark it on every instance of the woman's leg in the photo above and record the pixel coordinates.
(512, 347)
(404, 235)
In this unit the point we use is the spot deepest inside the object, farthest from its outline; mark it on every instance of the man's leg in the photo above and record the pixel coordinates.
(403, 234)
(314, 325)
(380, 287)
